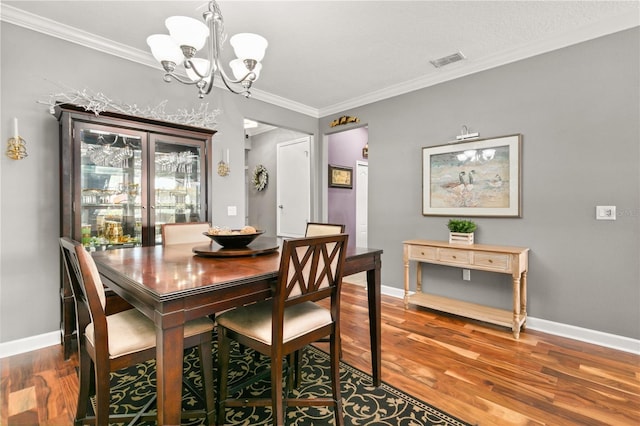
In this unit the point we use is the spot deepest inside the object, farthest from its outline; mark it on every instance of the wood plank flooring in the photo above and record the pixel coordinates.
(471, 370)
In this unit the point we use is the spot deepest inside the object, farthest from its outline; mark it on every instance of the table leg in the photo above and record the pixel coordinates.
(406, 279)
(374, 296)
(523, 299)
(516, 306)
(169, 358)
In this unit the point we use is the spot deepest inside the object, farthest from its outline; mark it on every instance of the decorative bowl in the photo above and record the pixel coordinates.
(235, 239)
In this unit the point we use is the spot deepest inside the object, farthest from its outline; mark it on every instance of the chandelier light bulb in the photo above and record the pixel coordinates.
(249, 46)
(164, 49)
(188, 32)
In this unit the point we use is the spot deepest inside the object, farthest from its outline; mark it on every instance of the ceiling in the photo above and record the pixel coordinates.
(328, 56)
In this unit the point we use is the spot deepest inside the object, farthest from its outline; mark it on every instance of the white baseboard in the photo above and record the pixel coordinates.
(608, 340)
(613, 341)
(29, 344)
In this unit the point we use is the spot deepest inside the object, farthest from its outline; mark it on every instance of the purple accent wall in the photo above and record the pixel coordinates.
(344, 149)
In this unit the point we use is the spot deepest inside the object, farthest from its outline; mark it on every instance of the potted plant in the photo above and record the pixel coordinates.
(461, 231)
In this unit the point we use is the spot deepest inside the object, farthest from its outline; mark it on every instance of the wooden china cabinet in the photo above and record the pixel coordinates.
(121, 178)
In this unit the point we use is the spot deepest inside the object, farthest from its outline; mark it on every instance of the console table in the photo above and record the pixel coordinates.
(505, 260)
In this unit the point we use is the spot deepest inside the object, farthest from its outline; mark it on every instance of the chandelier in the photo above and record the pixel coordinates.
(188, 35)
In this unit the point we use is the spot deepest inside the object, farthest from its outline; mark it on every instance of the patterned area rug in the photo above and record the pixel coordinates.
(363, 403)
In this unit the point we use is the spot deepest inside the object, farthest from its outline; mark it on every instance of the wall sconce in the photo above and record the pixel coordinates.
(365, 151)
(223, 168)
(16, 146)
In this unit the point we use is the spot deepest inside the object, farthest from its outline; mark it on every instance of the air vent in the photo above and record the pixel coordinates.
(446, 60)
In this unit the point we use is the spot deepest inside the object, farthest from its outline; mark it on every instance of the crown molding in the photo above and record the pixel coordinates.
(52, 28)
(471, 66)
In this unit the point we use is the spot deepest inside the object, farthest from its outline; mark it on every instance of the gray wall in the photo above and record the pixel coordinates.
(35, 66)
(578, 111)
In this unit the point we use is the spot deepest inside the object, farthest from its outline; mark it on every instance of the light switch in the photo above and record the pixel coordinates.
(232, 210)
(605, 212)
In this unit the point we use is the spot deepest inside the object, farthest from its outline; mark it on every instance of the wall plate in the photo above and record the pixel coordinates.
(605, 212)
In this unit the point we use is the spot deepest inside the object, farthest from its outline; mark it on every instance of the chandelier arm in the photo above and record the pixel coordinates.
(244, 92)
(249, 77)
(169, 75)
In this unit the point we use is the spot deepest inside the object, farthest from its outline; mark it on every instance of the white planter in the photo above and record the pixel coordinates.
(460, 238)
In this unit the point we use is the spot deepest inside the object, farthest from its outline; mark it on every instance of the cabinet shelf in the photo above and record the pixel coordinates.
(483, 313)
(111, 205)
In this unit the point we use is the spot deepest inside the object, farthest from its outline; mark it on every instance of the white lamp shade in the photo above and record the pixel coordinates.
(187, 31)
(164, 48)
(202, 66)
(249, 46)
(240, 69)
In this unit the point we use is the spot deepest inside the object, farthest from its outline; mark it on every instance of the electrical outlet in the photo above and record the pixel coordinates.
(232, 211)
(605, 212)
(466, 274)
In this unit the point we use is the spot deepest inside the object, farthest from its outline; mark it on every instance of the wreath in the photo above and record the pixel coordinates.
(260, 177)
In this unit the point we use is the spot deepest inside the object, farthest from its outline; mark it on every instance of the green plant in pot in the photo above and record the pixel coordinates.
(461, 231)
(463, 226)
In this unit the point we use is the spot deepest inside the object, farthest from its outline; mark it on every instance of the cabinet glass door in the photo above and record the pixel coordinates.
(178, 186)
(110, 192)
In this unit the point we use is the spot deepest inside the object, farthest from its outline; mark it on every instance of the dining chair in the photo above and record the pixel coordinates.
(310, 270)
(107, 343)
(183, 233)
(315, 229)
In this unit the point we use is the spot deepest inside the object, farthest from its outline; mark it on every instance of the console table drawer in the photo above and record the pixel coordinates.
(455, 256)
(498, 262)
(424, 253)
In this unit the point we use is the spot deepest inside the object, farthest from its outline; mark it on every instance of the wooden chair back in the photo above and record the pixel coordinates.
(315, 229)
(310, 270)
(183, 233)
(88, 292)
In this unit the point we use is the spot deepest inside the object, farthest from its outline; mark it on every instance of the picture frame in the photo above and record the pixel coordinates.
(340, 176)
(474, 178)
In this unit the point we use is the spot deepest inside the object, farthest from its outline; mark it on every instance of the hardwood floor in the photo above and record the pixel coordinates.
(473, 371)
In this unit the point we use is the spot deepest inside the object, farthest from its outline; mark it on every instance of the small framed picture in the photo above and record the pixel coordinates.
(340, 176)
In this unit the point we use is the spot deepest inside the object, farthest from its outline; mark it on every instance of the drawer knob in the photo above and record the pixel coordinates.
(422, 253)
(454, 257)
(490, 261)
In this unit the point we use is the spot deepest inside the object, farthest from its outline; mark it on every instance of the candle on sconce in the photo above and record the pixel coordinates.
(15, 128)
(227, 156)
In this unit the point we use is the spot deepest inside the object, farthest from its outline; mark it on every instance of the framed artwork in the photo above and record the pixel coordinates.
(340, 177)
(473, 178)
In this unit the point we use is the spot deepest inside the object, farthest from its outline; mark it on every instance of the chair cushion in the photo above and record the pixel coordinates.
(254, 321)
(130, 331)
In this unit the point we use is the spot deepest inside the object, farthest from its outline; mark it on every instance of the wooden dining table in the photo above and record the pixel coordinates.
(171, 285)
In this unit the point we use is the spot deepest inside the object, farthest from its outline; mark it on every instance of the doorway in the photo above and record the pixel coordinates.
(362, 204)
(261, 144)
(345, 149)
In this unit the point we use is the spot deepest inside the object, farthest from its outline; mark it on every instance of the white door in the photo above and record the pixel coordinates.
(362, 202)
(293, 198)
